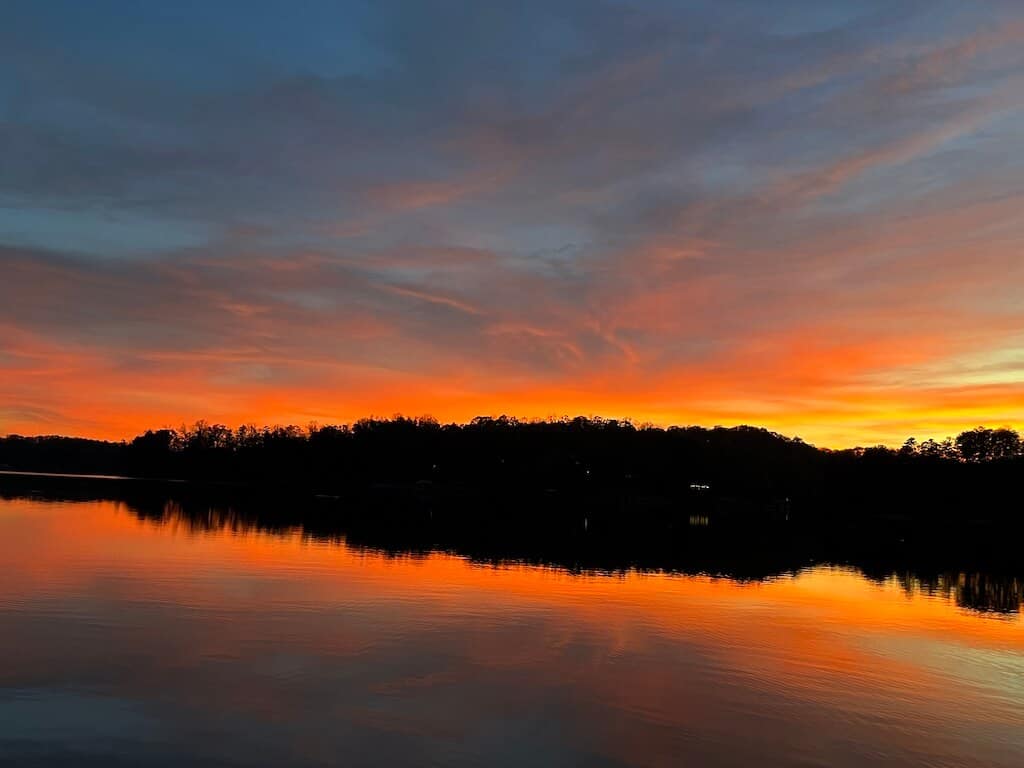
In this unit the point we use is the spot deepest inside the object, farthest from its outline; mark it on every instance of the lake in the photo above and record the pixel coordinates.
(132, 640)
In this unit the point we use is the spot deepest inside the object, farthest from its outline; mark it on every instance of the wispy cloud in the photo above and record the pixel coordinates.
(713, 212)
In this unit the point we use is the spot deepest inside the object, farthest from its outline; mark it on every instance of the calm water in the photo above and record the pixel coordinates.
(134, 642)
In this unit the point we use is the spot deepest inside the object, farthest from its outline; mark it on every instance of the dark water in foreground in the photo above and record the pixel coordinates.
(128, 641)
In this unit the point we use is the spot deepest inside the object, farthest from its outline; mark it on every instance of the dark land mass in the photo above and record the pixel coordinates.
(584, 496)
(741, 471)
(581, 494)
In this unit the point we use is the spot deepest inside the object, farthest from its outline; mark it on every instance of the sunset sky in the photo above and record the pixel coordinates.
(801, 214)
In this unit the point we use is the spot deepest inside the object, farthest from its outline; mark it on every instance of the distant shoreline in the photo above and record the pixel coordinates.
(647, 476)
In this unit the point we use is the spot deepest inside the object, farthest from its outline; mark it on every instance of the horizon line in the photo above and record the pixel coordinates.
(428, 418)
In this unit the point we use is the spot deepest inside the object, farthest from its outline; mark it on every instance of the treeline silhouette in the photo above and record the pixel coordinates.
(739, 471)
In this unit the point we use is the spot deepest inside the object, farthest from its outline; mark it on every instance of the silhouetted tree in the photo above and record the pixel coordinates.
(983, 444)
(728, 471)
(936, 450)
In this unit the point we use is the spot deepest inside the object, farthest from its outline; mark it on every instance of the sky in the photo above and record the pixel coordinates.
(799, 214)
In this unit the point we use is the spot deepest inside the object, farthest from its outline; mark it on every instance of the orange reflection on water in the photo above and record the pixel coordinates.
(52, 550)
(675, 652)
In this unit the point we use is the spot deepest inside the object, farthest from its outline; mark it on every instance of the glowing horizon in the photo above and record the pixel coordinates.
(803, 217)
